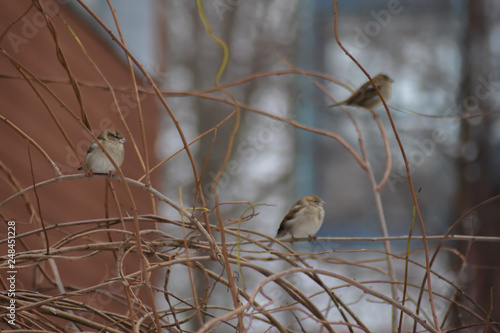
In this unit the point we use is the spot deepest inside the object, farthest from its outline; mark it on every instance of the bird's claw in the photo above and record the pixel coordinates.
(312, 238)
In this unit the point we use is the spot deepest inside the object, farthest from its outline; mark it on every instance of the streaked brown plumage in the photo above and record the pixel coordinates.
(304, 218)
(366, 96)
(96, 161)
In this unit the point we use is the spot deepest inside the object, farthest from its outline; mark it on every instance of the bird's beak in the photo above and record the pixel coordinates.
(123, 140)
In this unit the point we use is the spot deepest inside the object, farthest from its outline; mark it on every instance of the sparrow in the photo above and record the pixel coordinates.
(96, 161)
(303, 219)
(366, 96)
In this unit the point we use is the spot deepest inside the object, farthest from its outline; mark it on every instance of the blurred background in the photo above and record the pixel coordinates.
(442, 56)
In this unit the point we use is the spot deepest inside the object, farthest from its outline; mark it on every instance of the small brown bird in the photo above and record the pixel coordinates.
(96, 161)
(303, 219)
(366, 96)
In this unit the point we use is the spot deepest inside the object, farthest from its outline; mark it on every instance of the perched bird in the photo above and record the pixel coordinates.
(366, 96)
(303, 219)
(96, 161)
